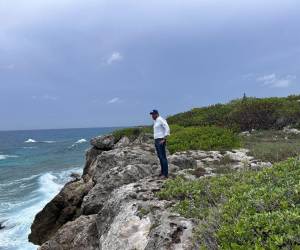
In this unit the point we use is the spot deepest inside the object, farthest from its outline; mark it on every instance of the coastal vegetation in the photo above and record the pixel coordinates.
(204, 137)
(189, 138)
(244, 210)
(244, 114)
(272, 145)
(131, 133)
(217, 127)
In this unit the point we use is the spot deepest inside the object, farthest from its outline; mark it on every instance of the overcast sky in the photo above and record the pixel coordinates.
(93, 63)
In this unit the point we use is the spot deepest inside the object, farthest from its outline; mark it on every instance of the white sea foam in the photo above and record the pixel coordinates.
(78, 142)
(3, 157)
(30, 141)
(18, 221)
(81, 141)
(18, 181)
(34, 141)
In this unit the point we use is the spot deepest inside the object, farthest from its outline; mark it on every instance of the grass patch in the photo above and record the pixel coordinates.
(272, 145)
(247, 210)
(223, 169)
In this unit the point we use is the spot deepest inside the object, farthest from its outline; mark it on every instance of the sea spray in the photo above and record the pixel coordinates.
(18, 220)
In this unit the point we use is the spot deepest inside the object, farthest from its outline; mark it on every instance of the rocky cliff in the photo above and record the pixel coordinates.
(113, 204)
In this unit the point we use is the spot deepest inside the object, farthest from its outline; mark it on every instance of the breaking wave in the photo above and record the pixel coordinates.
(34, 141)
(29, 141)
(3, 157)
(19, 216)
(80, 141)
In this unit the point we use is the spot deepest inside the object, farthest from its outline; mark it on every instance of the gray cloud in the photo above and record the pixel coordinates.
(156, 52)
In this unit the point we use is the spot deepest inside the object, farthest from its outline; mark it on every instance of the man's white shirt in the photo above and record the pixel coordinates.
(161, 128)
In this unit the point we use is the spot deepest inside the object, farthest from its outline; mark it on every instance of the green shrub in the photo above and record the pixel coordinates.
(131, 133)
(266, 113)
(176, 128)
(205, 138)
(254, 114)
(211, 115)
(246, 210)
(244, 114)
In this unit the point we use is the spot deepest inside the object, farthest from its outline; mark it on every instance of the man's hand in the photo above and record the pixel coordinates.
(162, 141)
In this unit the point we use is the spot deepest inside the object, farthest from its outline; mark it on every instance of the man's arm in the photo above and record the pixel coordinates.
(166, 128)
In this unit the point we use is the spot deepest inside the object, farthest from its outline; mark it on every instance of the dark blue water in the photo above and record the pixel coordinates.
(34, 165)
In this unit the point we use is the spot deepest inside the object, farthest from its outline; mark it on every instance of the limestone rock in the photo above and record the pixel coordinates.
(80, 234)
(103, 142)
(129, 221)
(289, 130)
(245, 133)
(144, 138)
(183, 161)
(123, 142)
(118, 167)
(57, 212)
(90, 157)
(239, 155)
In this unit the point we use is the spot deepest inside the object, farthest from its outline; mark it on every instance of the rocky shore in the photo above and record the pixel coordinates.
(113, 204)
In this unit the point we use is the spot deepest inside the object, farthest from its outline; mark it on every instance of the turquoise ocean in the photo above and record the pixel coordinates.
(34, 165)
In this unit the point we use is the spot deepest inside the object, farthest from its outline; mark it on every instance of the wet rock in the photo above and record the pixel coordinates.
(75, 176)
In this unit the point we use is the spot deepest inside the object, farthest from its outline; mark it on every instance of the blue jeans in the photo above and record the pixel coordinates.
(161, 153)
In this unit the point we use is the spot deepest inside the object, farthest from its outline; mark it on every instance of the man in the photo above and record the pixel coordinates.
(161, 131)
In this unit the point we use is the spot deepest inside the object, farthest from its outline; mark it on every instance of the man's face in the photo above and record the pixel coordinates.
(154, 116)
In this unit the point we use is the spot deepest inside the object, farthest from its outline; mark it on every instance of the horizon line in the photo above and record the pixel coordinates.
(33, 129)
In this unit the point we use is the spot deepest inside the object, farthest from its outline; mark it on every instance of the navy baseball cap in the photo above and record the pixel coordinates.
(154, 111)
